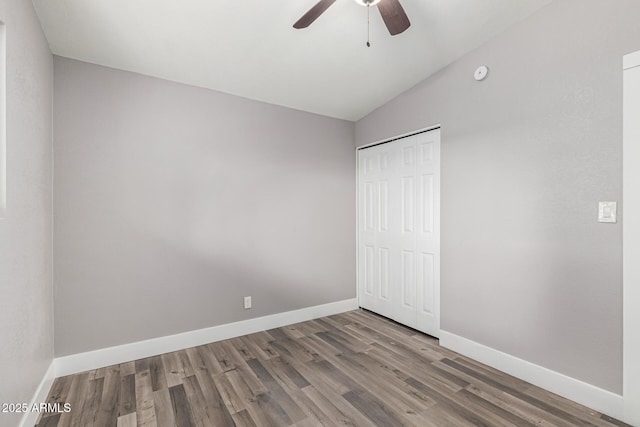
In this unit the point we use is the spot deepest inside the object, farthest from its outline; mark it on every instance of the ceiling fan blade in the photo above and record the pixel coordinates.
(393, 16)
(313, 14)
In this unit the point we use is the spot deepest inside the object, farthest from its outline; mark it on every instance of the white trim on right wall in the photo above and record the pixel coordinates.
(627, 406)
(586, 394)
(631, 239)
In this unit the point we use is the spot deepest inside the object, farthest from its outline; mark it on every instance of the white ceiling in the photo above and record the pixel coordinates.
(249, 48)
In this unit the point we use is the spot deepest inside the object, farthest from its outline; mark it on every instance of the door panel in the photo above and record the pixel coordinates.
(398, 226)
(369, 268)
(428, 234)
(383, 266)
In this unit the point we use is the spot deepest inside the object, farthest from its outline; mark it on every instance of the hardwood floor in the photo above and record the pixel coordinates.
(352, 369)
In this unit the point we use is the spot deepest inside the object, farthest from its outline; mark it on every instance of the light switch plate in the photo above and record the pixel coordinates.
(607, 212)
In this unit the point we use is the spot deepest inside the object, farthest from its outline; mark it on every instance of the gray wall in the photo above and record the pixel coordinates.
(526, 156)
(173, 202)
(26, 347)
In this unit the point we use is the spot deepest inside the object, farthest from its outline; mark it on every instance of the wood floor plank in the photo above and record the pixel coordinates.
(475, 414)
(197, 400)
(292, 331)
(91, 403)
(232, 401)
(524, 410)
(308, 422)
(142, 364)
(371, 376)
(157, 373)
(406, 403)
(373, 409)
(215, 408)
(210, 361)
(309, 328)
(181, 408)
(356, 393)
(339, 345)
(520, 394)
(350, 369)
(438, 416)
(195, 358)
(60, 389)
(292, 349)
(262, 340)
(127, 368)
(404, 368)
(336, 408)
(165, 416)
(97, 373)
(241, 387)
(50, 421)
(269, 412)
(176, 367)
(242, 348)
(254, 347)
(311, 408)
(243, 419)
(128, 420)
(108, 410)
(145, 406)
(286, 373)
(226, 361)
(319, 349)
(333, 377)
(76, 396)
(127, 394)
(467, 399)
(58, 394)
(276, 391)
(503, 378)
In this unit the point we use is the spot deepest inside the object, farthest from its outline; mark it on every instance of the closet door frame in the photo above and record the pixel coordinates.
(437, 293)
(631, 238)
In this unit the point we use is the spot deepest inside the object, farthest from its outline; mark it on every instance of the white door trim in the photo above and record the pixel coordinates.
(631, 239)
(404, 135)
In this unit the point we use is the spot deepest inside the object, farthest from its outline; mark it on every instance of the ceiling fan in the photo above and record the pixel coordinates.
(391, 11)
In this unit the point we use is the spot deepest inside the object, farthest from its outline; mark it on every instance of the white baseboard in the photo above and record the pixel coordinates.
(81, 362)
(30, 418)
(578, 391)
(586, 394)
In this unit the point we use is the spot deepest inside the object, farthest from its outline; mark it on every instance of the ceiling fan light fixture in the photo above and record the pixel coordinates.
(391, 11)
(367, 2)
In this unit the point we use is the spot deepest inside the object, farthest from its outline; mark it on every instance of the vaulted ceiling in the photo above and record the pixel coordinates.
(249, 47)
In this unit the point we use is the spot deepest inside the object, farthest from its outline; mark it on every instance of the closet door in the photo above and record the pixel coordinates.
(398, 230)
(377, 227)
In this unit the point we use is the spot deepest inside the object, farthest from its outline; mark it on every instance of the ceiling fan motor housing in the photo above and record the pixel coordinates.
(367, 2)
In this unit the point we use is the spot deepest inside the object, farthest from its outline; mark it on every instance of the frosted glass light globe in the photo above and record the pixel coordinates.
(367, 2)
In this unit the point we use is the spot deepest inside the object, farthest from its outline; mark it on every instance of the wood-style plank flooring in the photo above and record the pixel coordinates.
(352, 369)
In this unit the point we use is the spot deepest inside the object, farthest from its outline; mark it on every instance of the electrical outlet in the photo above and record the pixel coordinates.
(247, 303)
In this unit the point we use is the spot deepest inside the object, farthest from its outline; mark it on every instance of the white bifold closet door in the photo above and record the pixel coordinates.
(399, 230)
